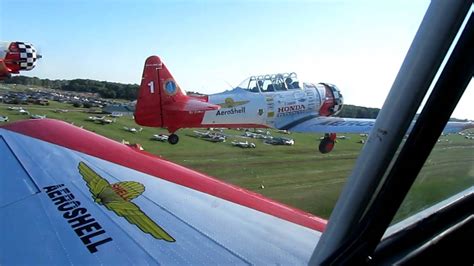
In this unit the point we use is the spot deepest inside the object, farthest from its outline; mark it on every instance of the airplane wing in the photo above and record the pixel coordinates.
(191, 105)
(69, 196)
(353, 125)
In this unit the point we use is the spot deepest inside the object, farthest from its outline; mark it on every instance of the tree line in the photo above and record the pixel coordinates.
(353, 111)
(105, 89)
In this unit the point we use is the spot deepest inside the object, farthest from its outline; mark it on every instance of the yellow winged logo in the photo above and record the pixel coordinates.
(116, 197)
(229, 103)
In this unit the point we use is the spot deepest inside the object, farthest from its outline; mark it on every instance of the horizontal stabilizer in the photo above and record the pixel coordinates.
(191, 105)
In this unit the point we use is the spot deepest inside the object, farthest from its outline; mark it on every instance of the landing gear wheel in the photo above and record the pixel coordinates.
(326, 145)
(173, 139)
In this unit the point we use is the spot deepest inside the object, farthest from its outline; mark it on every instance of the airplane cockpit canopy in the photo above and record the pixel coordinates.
(271, 83)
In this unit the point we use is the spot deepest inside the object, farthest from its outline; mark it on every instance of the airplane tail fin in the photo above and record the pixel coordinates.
(157, 89)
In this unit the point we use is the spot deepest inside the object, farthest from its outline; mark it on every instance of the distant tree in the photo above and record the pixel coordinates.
(353, 111)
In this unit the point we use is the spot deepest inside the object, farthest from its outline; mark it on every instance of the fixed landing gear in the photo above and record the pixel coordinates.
(327, 143)
(173, 139)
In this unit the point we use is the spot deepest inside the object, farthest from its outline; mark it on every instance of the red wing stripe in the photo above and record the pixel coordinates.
(69, 136)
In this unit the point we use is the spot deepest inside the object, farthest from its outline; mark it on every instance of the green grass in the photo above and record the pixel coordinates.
(448, 170)
(298, 175)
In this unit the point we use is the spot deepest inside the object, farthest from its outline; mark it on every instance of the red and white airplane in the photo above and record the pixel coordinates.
(70, 196)
(16, 57)
(269, 101)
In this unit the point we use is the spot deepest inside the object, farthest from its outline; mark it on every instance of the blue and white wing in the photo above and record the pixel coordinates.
(48, 215)
(319, 124)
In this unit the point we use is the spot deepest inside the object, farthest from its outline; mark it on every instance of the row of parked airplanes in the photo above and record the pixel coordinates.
(208, 135)
(219, 137)
(277, 101)
(267, 137)
(21, 111)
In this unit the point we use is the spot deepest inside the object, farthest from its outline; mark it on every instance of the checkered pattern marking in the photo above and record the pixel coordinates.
(337, 107)
(27, 56)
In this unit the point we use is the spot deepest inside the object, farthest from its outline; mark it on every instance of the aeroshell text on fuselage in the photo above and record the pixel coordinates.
(232, 111)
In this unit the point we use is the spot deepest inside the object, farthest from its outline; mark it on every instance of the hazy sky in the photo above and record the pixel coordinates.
(357, 45)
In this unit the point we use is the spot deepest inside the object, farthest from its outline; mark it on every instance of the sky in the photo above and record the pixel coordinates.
(210, 46)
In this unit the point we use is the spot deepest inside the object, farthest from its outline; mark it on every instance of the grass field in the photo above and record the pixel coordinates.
(296, 175)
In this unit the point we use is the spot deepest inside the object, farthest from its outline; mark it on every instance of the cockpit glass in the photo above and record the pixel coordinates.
(244, 84)
(253, 86)
(271, 82)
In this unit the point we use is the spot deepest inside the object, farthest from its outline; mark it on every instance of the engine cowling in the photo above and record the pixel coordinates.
(18, 56)
(332, 100)
(331, 104)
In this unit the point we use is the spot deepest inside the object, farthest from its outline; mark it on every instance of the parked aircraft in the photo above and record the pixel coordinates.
(16, 57)
(268, 101)
(132, 129)
(105, 121)
(61, 110)
(38, 116)
(23, 112)
(243, 144)
(280, 141)
(3, 118)
(100, 120)
(210, 136)
(214, 138)
(94, 118)
(20, 110)
(201, 133)
(255, 135)
(160, 137)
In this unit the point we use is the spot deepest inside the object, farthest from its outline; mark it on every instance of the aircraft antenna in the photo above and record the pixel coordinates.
(231, 87)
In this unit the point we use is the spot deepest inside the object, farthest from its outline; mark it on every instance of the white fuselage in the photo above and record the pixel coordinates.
(268, 109)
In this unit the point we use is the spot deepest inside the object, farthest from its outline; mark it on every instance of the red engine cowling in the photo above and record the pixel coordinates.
(332, 100)
(19, 56)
